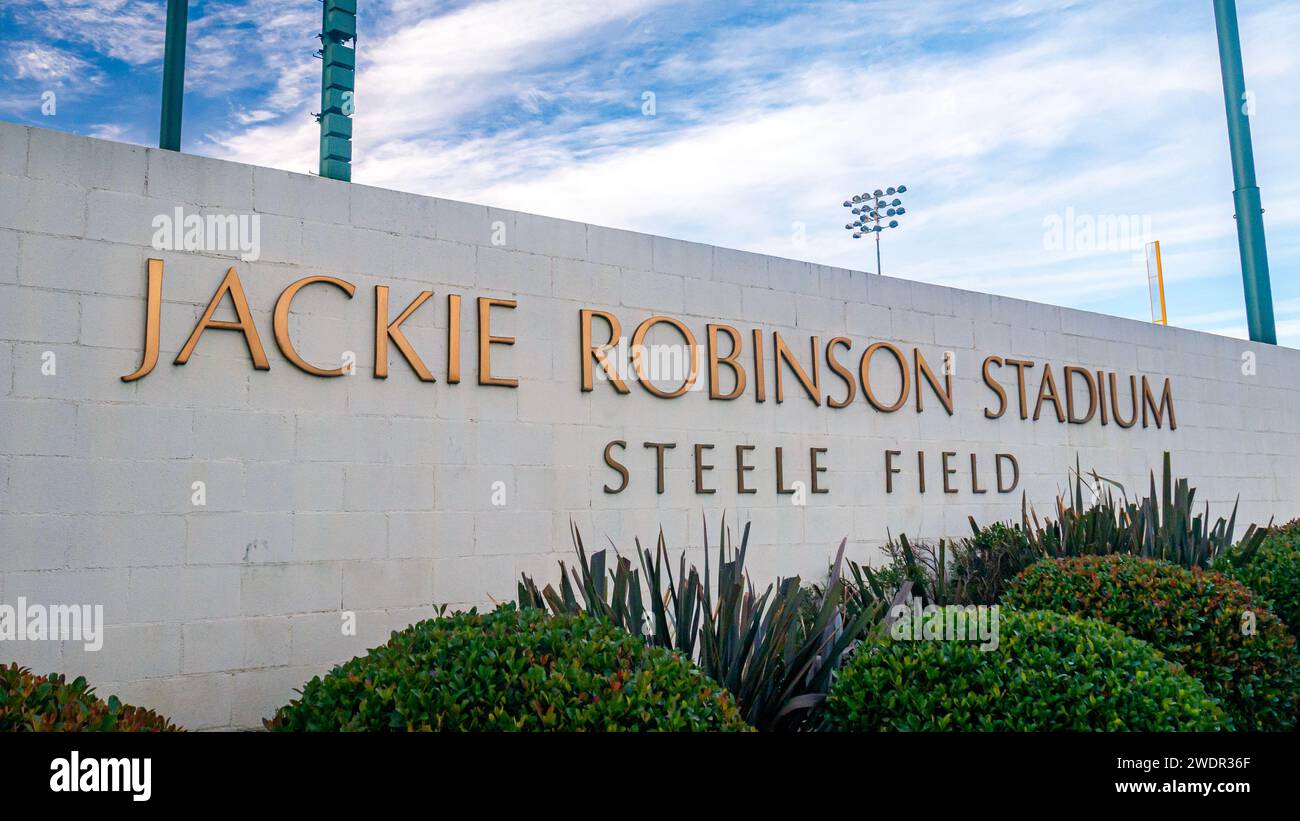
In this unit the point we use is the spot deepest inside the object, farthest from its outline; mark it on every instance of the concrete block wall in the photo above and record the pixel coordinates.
(382, 497)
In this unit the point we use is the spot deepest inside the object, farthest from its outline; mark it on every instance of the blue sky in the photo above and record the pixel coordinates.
(999, 117)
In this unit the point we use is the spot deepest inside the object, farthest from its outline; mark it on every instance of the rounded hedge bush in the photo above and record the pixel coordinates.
(515, 670)
(1205, 621)
(32, 703)
(1049, 672)
(1273, 573)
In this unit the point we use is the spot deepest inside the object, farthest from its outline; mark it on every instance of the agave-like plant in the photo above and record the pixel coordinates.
(974, 570)
(617, 594)
(778, 662)
(1158, 526)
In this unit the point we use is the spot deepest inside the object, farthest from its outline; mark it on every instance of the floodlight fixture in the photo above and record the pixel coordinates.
(871, 210)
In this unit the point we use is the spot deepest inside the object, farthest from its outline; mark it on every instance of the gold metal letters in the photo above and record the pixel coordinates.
(280, 322)
(230, 285)
(486, 340)
(385, 330)
(152, 321)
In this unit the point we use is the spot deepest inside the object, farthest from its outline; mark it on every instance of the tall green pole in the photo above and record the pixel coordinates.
(338, 77)
(173, 89)
(1250, 211)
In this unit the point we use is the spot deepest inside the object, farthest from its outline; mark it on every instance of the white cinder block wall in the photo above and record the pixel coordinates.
(376, 496)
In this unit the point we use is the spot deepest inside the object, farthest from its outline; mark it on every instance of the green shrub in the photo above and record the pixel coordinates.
(989, 559)
(1198, 618)
(512, 670)
(1272, 572)
(1095, 518)
(31, 703)
(973, 570)
(1048, 672)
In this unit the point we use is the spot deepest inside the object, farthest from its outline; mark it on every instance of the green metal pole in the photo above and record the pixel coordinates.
(173, 89)
(338, 73)
(1250, 211)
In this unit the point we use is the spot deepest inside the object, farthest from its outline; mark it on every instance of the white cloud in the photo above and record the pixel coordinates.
(259, 115)
(111, 131)
(416, 81)
(121, 29)
(51, 66)
(1105, 108)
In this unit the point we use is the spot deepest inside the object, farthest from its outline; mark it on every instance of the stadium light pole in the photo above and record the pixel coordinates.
(173, 86)
(874, 212)
(1245, 196)
(338, 79)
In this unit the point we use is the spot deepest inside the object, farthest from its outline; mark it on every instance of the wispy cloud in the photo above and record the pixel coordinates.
(50, 66)
(124, 30)
(997, 116)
